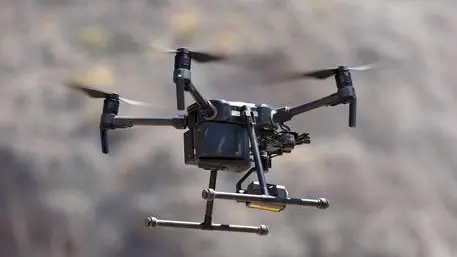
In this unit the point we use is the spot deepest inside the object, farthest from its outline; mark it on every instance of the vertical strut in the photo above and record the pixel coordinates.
(238, 184)
(255, 148)
(210, 204)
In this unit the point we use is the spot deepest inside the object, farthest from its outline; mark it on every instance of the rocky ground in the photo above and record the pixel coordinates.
(391, 181)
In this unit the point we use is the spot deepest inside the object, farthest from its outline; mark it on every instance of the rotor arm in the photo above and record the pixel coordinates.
(207, 109)
(287, 113)
(178, 122)
(110, 121)
(345, 94)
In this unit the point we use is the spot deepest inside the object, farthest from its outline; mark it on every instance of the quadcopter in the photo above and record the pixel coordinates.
(231, 136)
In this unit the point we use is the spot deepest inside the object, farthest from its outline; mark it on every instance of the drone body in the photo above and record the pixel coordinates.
(231, 136)
(223, 142)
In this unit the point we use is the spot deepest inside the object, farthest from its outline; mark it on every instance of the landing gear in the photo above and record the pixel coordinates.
(258, 195)
(207, 223)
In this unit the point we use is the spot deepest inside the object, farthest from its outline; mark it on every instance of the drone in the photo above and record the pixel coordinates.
(231, 136)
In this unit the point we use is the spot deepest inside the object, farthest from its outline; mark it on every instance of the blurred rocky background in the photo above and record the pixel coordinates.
(391, 181)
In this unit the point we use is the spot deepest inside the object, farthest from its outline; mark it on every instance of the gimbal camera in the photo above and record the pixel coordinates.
(231, 136)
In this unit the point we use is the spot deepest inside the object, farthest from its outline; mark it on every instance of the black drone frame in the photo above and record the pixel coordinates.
(251, 130)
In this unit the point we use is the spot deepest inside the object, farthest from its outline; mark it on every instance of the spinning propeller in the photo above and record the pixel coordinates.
(198, 56)
(94, 93)
(325, 73)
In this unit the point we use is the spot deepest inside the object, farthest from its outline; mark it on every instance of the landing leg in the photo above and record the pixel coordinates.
(238, 184)
(210, 204)
(255, 149)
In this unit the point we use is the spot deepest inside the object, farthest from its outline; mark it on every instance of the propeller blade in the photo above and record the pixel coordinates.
(94, 93)
(324, 74)
(204, 57)
(364, 67)
(134, 102)
(198, 56)
(320, 74)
